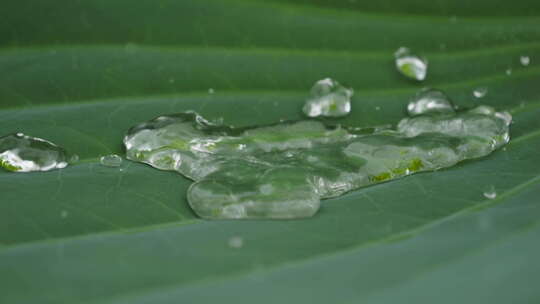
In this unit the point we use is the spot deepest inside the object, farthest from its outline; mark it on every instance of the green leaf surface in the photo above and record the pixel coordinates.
(80, 73)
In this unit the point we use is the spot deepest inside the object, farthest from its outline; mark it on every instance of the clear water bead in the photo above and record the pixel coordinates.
(236, 242)
(410, 65)
(111, 160)
(211, 91)
(525, 60)
(329, 98)
(430, 101)
(282, 171)
(22, 153)
(490, 192)
(480, 92)
(74, 158)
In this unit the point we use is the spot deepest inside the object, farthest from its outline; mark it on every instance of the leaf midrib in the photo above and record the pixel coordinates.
(383, 53)
(522, 73)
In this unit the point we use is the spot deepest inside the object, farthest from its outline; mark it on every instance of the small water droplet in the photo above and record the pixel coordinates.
(22, 153)
(525, 60)
(410, 65)
(171, 80)
(74, 158)
(377, 108)
(111, 160)
(230, 183)
(508, 72)
(266, 189)
(430, 101)
(490, 192)
(236, 242)
(329, 99)
(64, 214)
(480, 92)
(211, 91)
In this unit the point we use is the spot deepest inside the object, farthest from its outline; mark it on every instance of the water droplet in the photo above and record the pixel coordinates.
(74, 158)
(22, 153)
(480, 92)
(236, 242)
(430, 101)
(283, 170)
(410, 65)
(484, 110)
(329, 98)
(171, 80)
(490, 192)
(504, 116)
(111, 160)
(377, 108)
(508, 72)
(266, 189)
(211, 91)
(64, 214)
(525, 60)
